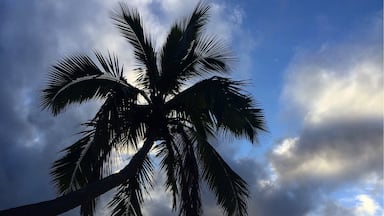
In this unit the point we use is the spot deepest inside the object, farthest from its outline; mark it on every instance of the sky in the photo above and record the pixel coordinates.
(315, 67)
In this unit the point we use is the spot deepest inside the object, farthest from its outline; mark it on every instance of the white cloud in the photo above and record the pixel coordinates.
(366, 206)
(285, 148)
(342, 89)
(175, 9)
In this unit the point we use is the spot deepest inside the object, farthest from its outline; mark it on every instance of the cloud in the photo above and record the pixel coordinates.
(327, 86)
(327, 154)
(336, 93)
(367, 206)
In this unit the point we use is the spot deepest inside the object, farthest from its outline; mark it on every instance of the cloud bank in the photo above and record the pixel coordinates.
(337, 95)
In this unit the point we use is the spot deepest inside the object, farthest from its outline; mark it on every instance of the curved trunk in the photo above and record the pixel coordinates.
(73, 199)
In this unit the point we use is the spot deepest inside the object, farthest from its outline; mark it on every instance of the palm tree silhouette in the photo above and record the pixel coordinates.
(164, 113)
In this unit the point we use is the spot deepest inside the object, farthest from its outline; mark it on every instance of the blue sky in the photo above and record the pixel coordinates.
(315, 67)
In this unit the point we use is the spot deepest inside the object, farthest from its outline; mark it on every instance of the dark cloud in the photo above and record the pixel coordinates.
(332, 208)
(333, 153)
(282, 201)
(324, 159)
(31, 39)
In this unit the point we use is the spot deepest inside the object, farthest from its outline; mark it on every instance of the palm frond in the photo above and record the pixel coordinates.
(135, 120)
(211, 56)
(171, 56)
(129, 197)
(88, 159)
(87, 208)
(129, 23)
(84, 163)
(179, 49)
(229, 188)
(218, 101)
(110, 64)
(107, 129)
(188, 176)
(169, 163)
(63, 169)
(72, 172)
(78, 79)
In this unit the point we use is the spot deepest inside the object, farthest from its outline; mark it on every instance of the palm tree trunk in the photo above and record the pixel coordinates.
(73, 199)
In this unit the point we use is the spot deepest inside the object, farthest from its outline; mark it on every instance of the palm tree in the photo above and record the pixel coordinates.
(164, 113)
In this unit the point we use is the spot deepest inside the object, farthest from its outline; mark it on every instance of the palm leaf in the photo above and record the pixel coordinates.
(129, 197)
(78, 79)
(179, 49)
(169, 163)
(230, 189)
(129, 23)
(211, 56)
(188, 176)
(63, 169)
(219, 102)
(110, 64)
(88, 159)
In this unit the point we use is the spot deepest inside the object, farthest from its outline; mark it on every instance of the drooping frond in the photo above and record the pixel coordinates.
(188, 176)
(70, 173)
(119, 120)
(170, 163)
(88, 160)
(129, 23)
(78, 79)
(129, 197)
(87, 208)
(229, 188)
(219, 101)
(63, 169)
